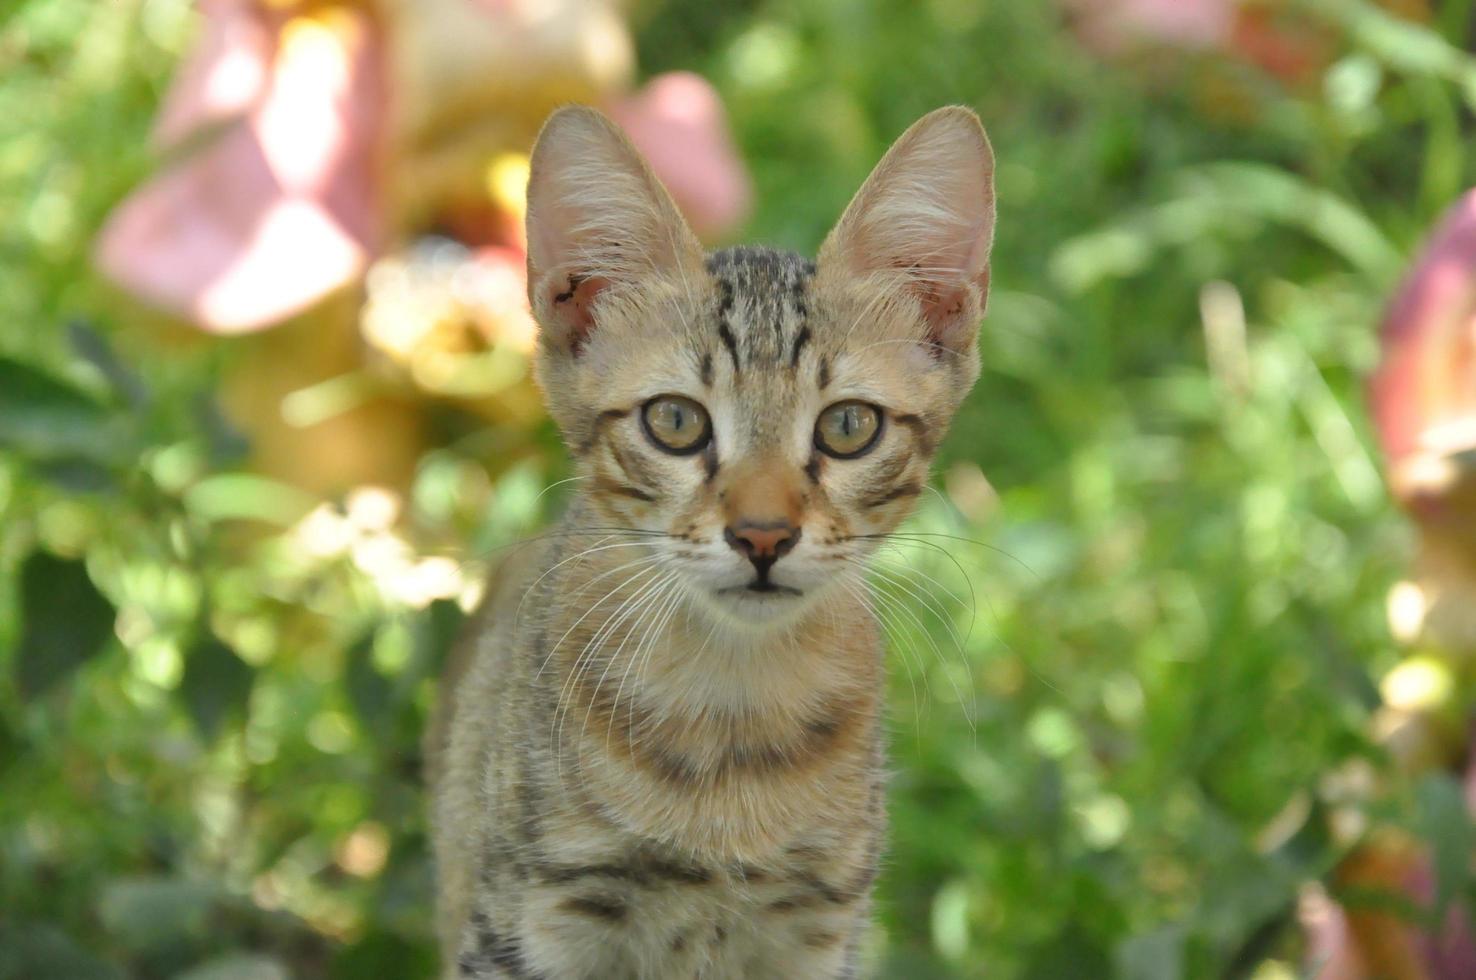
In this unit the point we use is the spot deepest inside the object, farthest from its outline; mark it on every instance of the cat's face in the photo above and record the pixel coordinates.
(761, 419)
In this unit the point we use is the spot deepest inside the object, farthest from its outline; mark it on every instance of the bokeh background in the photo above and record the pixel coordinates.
(1179, 689)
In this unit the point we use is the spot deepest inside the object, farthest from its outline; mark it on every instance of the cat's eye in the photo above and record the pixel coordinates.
(846, 430)
(676, 424)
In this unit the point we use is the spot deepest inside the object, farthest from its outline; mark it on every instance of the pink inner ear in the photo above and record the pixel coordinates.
(572, 306)
(952, 311)
(945, 308)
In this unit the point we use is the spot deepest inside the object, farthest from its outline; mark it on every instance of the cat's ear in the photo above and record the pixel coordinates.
(925, 217)
(598, 221)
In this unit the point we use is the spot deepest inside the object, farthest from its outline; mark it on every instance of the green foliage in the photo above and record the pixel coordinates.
(1134, 630)
(65, 622)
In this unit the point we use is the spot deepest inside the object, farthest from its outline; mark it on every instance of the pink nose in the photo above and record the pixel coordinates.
(763, 544)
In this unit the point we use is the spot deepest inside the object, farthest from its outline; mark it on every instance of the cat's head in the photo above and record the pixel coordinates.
(768, 417)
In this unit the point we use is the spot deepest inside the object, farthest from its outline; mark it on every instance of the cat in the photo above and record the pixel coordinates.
(664, 753)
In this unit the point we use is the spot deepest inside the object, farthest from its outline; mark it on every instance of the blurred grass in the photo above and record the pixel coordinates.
(1160, 519)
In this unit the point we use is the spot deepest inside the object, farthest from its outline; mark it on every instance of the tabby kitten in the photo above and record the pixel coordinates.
(664, 756)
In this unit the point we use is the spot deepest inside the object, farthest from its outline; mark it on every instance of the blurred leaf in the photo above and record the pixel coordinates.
(950, 920)
(383, 955)
(912, 964)
(151, 912)
(243, 966)
(216, 684)
(1402, 44)
(1216, 199)
(1445, 822)
(227, 444)
(36, 951)
(1275, 194)
(1071, 955)
(1155, 955)
(45, 418)
(65, 621)
(243, 496)
(439, 627)
(78, 475)
(95, 349)
(369, 690)
(9, 744)
(1248, 900)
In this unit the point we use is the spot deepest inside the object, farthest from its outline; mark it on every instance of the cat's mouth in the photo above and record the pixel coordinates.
(763, 587)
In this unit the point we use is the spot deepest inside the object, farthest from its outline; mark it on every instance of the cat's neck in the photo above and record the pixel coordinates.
(711, 665)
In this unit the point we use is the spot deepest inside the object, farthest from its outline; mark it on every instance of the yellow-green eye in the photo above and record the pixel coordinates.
(676, 424)
(848, 429)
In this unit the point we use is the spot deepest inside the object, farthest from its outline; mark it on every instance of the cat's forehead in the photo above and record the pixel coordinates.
(763, 306)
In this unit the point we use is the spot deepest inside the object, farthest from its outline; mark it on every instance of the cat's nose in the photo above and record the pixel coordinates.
(762, 543)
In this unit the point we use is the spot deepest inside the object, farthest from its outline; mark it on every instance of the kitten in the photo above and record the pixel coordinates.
(665, 755)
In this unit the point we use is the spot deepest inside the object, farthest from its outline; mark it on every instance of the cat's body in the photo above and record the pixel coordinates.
(735, 838)
(665, 755)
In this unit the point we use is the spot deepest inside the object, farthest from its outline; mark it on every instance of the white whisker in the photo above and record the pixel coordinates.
(646, 561)
(587, 656)
(598, 547)
(898, 605)
(647, 644)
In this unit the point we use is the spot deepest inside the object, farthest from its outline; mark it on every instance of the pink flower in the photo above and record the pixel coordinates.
(1424, 391)
(224, 75)
(1110, 26)
(677, 122)
(285, 204)
(281, 209)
